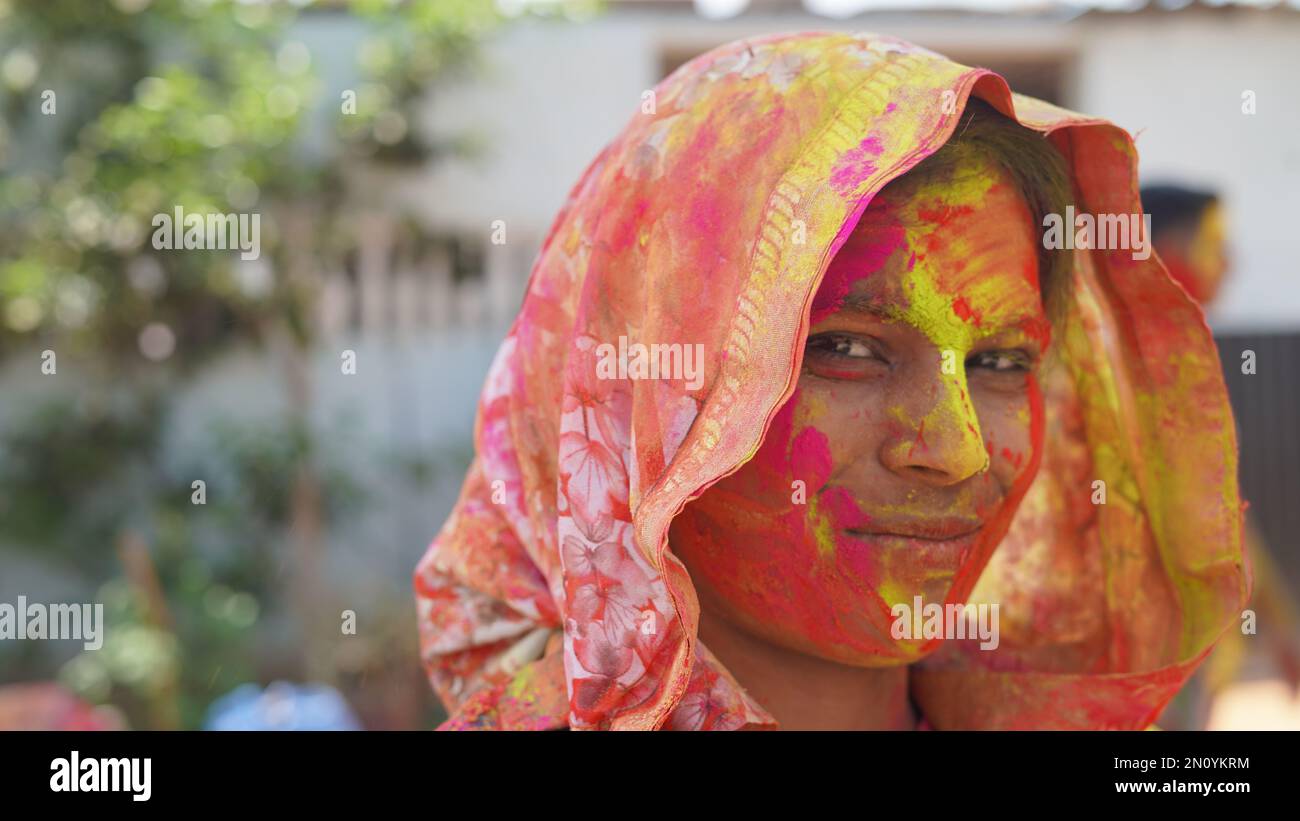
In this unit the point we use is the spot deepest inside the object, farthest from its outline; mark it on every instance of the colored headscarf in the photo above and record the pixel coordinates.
(551, 597)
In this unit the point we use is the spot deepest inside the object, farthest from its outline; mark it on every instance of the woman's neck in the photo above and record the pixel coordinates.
(803, 692)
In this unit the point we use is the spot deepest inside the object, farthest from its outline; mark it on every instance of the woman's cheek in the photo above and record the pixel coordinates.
(767, 480)
(843, 415)
(1008, 434)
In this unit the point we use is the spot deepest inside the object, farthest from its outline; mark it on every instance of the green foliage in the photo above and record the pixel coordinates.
(71, 473)
(205, 105)
(193, 103)
(197, 114)
(115, 111)
(75, 477)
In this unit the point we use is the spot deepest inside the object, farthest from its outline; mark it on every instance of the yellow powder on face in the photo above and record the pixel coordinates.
(812, 407)
(822, 527)
(959, 293)
(954, 316)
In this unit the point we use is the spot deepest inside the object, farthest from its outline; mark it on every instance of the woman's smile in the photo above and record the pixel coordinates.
(938, 544)
(930, 529)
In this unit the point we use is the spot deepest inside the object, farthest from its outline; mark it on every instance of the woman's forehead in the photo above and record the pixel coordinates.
(957, 272)
(928, 198)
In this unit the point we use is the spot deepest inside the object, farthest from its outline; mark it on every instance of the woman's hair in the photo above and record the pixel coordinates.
(1040, 174)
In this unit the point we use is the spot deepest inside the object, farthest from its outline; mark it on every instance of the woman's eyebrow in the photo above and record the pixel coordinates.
(863, 304)
(870, 306)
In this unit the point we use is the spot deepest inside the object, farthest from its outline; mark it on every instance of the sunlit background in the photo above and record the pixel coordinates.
(383, 143)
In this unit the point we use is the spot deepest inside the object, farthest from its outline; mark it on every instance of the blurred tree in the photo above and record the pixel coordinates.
(115, 112)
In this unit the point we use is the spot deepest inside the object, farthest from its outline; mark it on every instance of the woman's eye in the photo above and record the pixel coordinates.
(1002, 361)
(843, 356)
(837, 345)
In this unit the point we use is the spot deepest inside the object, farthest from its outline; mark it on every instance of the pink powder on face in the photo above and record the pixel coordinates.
(862, 569)
(810, 457)
(844, 511)
(866, 251)
(771, 457)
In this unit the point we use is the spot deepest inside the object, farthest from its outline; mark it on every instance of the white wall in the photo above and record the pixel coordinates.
(1176, 81)
(554, 95)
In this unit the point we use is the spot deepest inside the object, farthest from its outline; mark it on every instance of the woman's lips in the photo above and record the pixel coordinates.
(936, 530)
(932, 543)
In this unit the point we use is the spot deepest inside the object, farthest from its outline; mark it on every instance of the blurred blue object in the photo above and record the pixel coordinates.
(282, 706)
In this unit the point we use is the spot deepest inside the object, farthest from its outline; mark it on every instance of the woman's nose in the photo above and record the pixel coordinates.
(938, 439)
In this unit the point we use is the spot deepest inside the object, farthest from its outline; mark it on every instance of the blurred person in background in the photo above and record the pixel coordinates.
(1189, 232)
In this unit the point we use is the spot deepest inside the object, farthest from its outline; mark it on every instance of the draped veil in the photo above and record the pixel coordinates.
(551, 596)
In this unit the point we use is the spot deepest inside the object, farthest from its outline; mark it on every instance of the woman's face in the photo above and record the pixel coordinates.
(894, 468)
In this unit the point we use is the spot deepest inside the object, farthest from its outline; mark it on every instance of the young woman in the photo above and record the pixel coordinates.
(798, 367)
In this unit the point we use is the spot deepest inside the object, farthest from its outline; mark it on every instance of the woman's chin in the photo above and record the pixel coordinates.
(933, 589)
